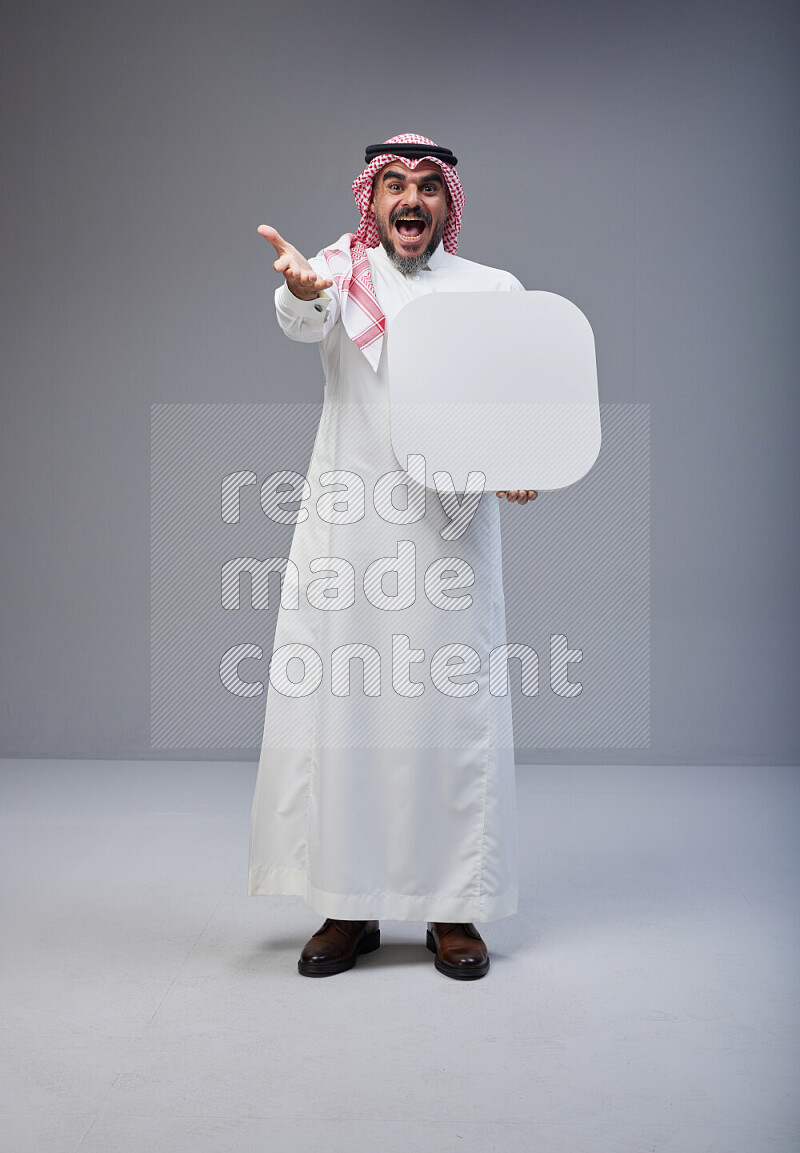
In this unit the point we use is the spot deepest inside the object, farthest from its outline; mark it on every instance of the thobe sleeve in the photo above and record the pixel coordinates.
(308, 320)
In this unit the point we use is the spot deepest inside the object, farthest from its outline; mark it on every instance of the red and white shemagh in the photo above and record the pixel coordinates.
(363, 319)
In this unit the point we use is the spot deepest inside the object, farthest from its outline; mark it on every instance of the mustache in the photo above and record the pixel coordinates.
(418, 212)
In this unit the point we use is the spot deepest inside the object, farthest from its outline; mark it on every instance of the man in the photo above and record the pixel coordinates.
(396, 802)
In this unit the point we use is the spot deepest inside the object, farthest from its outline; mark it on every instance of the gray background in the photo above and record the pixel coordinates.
(636, 159)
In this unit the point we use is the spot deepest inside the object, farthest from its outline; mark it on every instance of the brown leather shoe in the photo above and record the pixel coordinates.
(336, 945)
(460, 950)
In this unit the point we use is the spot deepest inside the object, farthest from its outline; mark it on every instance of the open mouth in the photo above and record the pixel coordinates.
(409, 228)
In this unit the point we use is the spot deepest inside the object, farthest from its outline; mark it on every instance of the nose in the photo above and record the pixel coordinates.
(412, 195)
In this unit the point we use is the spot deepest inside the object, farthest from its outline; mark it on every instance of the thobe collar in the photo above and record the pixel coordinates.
(438, 257)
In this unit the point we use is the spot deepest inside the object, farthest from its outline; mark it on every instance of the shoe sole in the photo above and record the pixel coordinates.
(367, 944)
(453, 970)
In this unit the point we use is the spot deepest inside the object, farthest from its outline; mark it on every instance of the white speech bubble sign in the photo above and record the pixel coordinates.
(499, 383)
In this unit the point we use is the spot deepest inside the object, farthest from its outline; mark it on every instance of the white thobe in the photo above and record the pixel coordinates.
(397, 802)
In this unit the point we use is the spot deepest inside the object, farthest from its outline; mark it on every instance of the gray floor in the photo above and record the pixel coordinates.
(643, 1000)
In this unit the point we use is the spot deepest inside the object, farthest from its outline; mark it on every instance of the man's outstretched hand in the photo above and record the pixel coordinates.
(301, 279)
(520, 495)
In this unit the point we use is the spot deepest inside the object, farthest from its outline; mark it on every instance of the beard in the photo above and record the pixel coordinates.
(409, 264)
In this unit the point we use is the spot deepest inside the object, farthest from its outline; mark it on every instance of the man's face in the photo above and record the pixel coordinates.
(410, 206)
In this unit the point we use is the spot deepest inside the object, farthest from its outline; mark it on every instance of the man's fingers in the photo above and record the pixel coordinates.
(304, 276)
(519, 495)
(307, 276)
(291, 269)
(273, 236)
(305, 279)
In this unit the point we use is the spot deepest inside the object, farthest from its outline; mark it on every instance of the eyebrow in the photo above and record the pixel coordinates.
(428, 178)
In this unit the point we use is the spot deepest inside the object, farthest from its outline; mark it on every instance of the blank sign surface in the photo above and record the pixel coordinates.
(498, 383)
